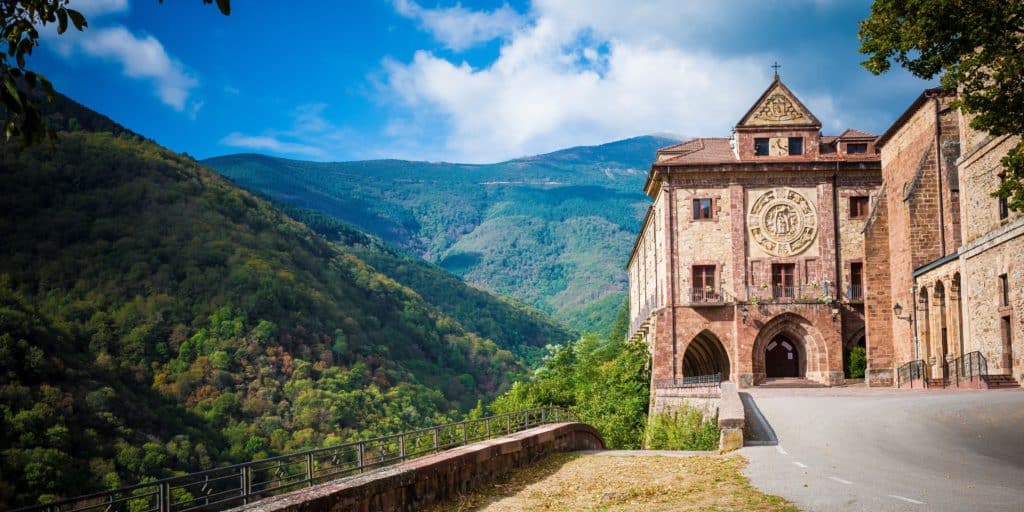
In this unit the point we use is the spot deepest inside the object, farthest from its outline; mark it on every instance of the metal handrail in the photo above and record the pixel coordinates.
(697, 381)
(228, 486)
(707, 296)
(968, 366)
(911, 371)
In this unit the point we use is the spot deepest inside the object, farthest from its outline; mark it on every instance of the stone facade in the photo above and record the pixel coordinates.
(750, 260)
(939, 246)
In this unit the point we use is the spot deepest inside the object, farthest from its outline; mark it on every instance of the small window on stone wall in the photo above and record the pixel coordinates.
(796, 145)
(1004, 204)
(856, 148)
(702, 209)
(1004, 290)
(761, 146)
(858, 207)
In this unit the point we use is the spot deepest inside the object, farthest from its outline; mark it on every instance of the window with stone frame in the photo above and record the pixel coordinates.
(796, 145)
(1004, 290)
(1004, 204)
(856, 291)
(859, 207)
(856, 148)
(761, 146)
(704, 289)
(703, 208)
(784, 280)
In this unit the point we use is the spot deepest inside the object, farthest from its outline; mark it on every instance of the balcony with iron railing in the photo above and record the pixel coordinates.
(707, 296)
(855, 293)
(788, 294)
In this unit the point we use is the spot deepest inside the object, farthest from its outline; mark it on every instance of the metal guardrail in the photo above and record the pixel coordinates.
(966, 367)
(698, 381)
(700, 296)
(229, 486)
(911, 371)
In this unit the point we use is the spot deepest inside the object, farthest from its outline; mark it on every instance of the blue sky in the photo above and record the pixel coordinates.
(470, 82)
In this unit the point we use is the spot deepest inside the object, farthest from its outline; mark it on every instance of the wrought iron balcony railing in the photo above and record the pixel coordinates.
(230, 486)
(697, 381)
(855, 293)
(706, 295)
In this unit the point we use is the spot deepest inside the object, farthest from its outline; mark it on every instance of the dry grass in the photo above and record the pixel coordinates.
(623, 483)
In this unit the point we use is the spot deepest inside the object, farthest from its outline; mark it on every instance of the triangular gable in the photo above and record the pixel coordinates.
(778, 106)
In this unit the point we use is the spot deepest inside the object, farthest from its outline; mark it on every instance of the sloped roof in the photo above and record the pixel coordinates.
(853, 133)
(697, 151)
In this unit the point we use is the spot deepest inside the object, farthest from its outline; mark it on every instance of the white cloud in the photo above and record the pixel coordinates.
(96, 8)
(310, 136)
(459, 28)
(580, 73)
(141, 56)
(269, 143)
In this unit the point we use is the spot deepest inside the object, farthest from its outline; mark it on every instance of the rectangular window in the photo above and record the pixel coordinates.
(856, 281)
(856, 148)
(761, 146)
(858, 207)
(1004, 204)
(702, 209)
(796, 145)
(784, 280)
(704, 284)
(1004, 290)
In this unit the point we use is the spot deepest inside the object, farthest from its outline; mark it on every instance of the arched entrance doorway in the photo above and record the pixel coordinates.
(788, 345)
(705, 355)
(782, 358)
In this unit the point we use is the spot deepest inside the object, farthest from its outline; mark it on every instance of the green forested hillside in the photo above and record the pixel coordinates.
(156, 318)
(551, 230)
(510, 324)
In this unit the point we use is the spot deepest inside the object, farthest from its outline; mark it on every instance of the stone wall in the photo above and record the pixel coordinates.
(992, 247)
(918, 224)
(415, 484)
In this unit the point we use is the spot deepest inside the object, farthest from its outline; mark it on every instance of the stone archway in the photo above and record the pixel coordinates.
(806, 344)
(705, 355)
(784, 357)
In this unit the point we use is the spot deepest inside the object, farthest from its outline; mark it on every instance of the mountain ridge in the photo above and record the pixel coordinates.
(552, 230)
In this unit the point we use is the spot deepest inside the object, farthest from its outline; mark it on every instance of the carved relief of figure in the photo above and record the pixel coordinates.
(782, 222)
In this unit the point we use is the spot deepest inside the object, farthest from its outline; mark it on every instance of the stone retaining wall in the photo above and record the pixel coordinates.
(417, 483)
(731, 419)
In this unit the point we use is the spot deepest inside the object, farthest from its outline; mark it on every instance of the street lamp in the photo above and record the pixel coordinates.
(897, 309)
(744, 312)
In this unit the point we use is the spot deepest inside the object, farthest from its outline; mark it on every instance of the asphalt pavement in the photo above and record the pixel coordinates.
(851, 449)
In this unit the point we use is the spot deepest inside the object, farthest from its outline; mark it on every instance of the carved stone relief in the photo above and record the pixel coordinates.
(782, 222)
(777, 109)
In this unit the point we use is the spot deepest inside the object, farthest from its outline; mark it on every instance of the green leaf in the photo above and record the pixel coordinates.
(77, 19)
(62, 20)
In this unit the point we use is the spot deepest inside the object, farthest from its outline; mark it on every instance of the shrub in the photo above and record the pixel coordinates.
(857, 362)
(683, 430)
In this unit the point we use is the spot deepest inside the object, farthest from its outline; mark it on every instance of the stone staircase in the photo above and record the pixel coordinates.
(1002, 382)
(790, 382)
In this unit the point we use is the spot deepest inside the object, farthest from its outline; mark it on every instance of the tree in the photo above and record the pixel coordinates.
(20, 88)
(977, 46)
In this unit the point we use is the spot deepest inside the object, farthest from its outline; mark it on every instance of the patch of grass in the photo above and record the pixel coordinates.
(571, 481)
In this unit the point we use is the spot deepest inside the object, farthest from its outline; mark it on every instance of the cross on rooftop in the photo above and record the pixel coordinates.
(776, 67)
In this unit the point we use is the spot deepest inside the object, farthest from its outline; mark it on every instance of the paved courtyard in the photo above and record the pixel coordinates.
(847, 449)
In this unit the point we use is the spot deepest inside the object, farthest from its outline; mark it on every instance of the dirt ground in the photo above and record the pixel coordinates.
(573, 481)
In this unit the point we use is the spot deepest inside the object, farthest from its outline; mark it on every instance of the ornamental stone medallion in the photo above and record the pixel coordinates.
(782, 222)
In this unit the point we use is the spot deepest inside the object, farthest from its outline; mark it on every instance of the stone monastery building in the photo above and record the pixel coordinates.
(762, 250)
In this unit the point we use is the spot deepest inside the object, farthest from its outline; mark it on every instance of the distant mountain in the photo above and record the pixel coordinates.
(154, 317)
(552, 230)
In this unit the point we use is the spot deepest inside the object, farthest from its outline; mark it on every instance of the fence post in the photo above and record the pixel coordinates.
(246, 483)
(401, 447)
(465, 434)
(360, 453)
(164, 496)
(309, 468)
(508, 423)
(487, 425)
(436, 448)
